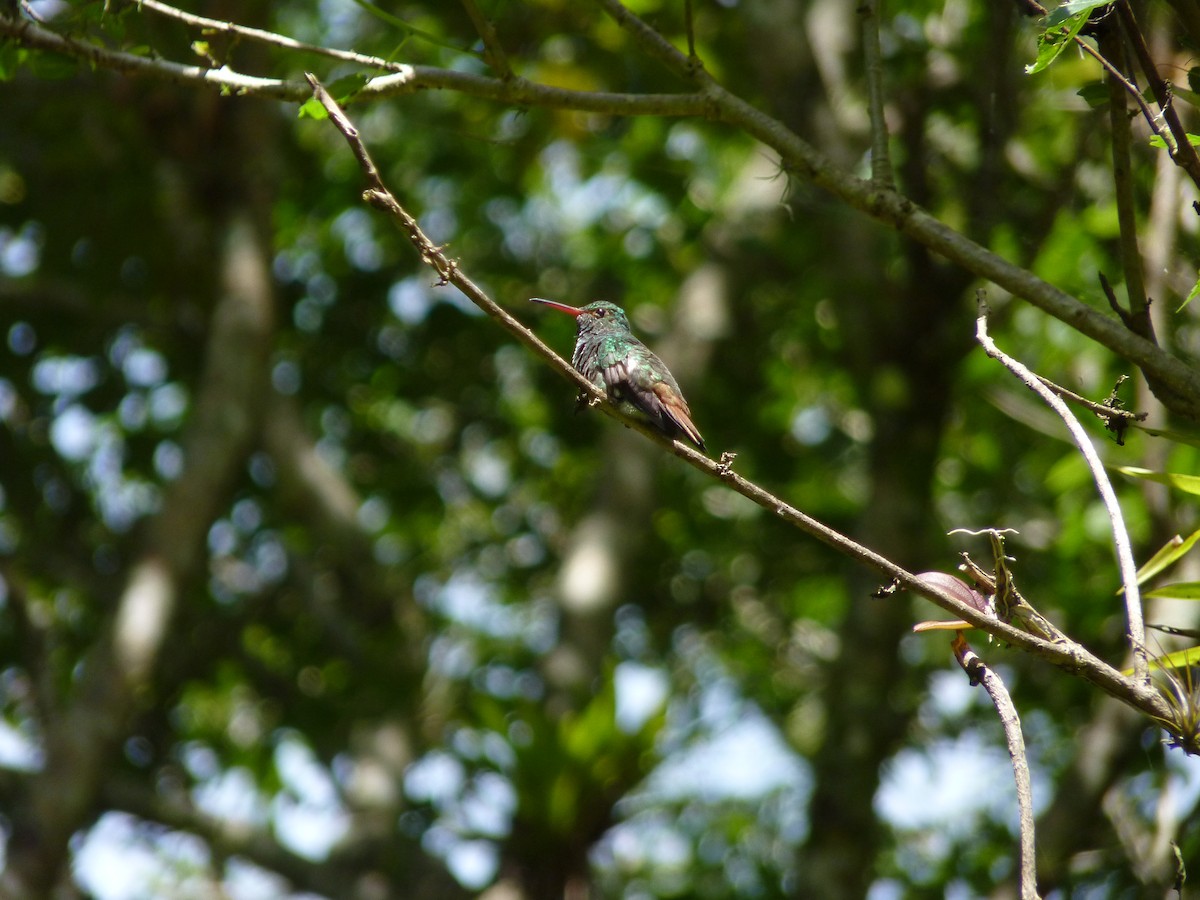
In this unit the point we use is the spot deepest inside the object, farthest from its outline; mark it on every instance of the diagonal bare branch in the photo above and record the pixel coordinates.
(1065, 654)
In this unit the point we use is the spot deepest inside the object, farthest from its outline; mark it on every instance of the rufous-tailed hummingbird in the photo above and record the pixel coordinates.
(635, 379)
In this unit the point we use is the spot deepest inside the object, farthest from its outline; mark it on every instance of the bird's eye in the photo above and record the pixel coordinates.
(601, 313)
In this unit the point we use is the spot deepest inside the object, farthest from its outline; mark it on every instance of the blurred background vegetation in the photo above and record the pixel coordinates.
(313, 582)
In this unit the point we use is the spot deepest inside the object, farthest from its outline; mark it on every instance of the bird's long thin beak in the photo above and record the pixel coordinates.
(561, 307)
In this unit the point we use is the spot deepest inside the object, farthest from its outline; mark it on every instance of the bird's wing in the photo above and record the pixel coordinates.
(638, 376)
(672, 407)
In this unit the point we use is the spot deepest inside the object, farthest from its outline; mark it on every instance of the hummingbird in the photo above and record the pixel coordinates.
(634, 378)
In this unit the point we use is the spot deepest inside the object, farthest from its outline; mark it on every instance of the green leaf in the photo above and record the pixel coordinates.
(1059, 32)
(1183, 93)
(1094, 94)
(1188, 483)
(312, 109)
(1166, 556)
(1073, 8)
(1192, 294)
(342, 90)
(1183, 590)
(1180, 659)
(10, 60)
(1178, 437)
(1156, 140)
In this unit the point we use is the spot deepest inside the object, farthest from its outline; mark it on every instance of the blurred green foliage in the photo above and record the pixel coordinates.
(431, 634)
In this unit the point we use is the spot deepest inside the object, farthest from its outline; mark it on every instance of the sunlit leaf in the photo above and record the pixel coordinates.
(1180, 659)
(1184, 590)
(312, 109)
(1073, 8)
(1192, 294)
(1156, 140)
(1055, 38)
(1166, 556)
(1188, 483)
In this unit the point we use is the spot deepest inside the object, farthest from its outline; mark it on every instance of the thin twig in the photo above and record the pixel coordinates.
(1182, 152)
(30, 34)
(689, 27)
(653, 42)
(1113, 303)
(1068, 655)
(1121, 544)
(1132, 89)
(881, 160)
(259, 35)
(1108, 413)
(983, 674)
(493, 50)
(1122, 168)
(27, 8)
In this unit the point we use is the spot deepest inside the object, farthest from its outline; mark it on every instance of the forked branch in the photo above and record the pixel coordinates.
(1124, 550)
